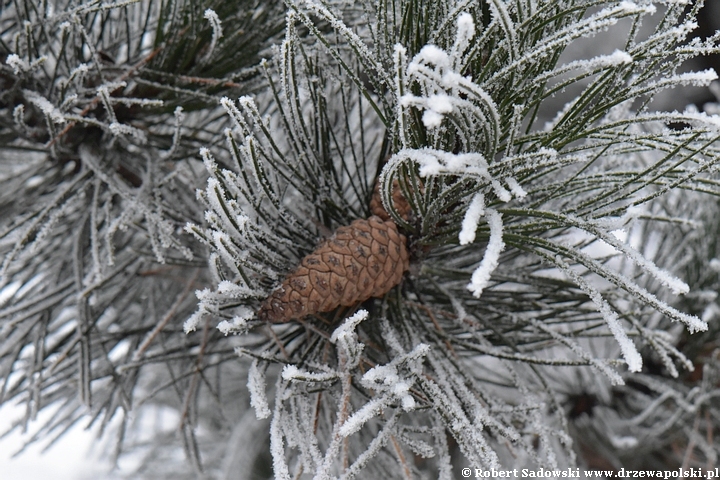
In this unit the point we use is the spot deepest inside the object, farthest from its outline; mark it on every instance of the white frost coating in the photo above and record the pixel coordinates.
(631, 7)
(697, 79)
(588, 27)
(400, 390)
(256, 387)
(616, 225)
(216, 25)
(624, 443)
(357, 43)
(600, 365)
(700, 79)
(239, 323)
(80, 69)
(677, 286)
(215, 22)
(502, 16)
(472, 216)
(236, 325)
(19, 116)
(431, 54)
(191, 323)
(231, 289)
(277, 445)
(481, 275)
(440, 103)
(399, 61)
(210, 165)
(215, 196)
(466, 25)
(227, 250)
(45, 106)
(18, 64)
(391, 384)
(438, 162)
(204, 295)
(627, 346)
(233, 112)
(359, 418)
(714, 265)
(385, 374)
(250, 108)
(409, 99)
(465, 33)
(437, 106)
(618, 57)
(291, 372)
(408, 403)
(121, 129)
(515, 188)
(445, 89)
(348, 326)
(432, 119)
(711, 121)
(400, 50)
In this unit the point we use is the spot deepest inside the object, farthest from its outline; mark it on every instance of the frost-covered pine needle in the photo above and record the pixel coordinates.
(217, 31)
(472, 217)
(481, 276)
(256, 387)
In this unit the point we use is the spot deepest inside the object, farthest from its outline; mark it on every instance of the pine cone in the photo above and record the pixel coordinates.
(365, 259)
(399, 202)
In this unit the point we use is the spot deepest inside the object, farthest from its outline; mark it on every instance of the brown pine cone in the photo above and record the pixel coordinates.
(364, 259)
(399, 202)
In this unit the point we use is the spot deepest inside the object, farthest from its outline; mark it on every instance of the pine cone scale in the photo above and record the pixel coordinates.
(313, 262)
(334, 263)
(389, 269)
(340, 246)
(320, 281)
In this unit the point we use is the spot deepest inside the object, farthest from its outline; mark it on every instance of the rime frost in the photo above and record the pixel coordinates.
(256, 387)
(217, 34)
(481, 275)
(472, 216)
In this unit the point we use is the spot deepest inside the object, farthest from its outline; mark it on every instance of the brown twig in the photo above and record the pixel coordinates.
(401, 457)
(277, 341)
(437, 327)
(209, 81)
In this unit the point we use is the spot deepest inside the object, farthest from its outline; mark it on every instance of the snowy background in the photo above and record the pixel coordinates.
(76, 456)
